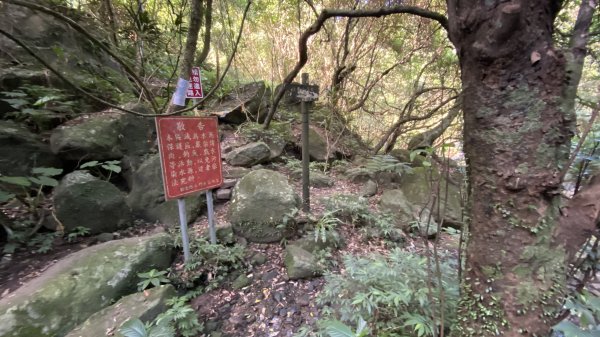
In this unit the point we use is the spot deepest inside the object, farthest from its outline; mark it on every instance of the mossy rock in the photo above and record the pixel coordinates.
(73, 289)
(262, 205)
(94, 204)
(300, 264)
(146, 306)
(249, 155)
(22, 150)
(147, 196)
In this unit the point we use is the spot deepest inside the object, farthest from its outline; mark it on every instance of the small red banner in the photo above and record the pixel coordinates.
(190, 154)
(195, 87)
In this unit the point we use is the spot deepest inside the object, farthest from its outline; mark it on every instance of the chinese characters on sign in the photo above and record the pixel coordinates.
(190, 154)
(195, 87)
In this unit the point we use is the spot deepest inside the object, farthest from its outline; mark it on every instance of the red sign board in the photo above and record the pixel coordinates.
(190, 154)
(195, 87)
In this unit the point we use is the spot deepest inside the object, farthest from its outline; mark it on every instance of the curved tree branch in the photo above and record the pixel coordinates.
(90, 37)
(330, 13)
(207, 33)
(66, 80)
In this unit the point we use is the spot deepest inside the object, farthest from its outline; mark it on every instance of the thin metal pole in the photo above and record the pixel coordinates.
(184, 233)
(305, 154)
(211, 219)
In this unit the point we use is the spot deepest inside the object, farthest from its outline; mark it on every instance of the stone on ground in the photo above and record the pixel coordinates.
(81, 284)
(262, 202)
(313, 244)
(102, 136)
(317, 146)
(247, 102)
(369, 189)
(146, 306)
(418, 187)
(98, 205)
(22, 150)
(249, 155)
(147, 196)
(300, 264)
(315, 178)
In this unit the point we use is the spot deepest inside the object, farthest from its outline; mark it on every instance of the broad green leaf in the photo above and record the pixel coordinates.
(5, 196)
(46, 99)
(571, 330)
(162, 331)
(47, 171)
(113, 168)
(15, 102)
(89, 164)
(337, 329)
(21, 181)
(13, 94)
(133, 328)
(43, 180)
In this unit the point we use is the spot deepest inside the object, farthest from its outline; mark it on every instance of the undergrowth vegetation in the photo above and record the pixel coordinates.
(396, 295)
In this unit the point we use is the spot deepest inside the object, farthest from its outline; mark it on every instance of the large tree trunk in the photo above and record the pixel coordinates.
(516, 139)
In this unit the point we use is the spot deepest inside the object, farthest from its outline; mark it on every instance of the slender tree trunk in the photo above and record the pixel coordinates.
(516, 140)
(185, 68)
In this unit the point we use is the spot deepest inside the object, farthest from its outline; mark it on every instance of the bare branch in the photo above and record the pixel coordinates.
(64, 79)
(330, 13)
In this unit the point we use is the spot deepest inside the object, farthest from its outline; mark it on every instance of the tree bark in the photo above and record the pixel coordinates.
(517, 131)
(185, 68)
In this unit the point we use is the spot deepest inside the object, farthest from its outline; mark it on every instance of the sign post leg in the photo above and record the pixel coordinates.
(184, 233)
(211, 218)
(305, 154)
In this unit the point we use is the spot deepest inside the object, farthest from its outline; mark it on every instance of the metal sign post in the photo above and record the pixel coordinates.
(305, 93)
(305, 154)
(190, 157)
(185, 241)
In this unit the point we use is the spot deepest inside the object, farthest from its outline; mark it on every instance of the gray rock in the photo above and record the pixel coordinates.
(241, 282)
(247, 102)
(22, 150)
(105, 237)
(223, 194)
(249, 155)
(300, 264)
(96, 204)
(262, 202)
(315, 178)
(145, 305)
(317, 146)
(359, 175)
(312, 244)
(418, 187)
(395, 203)
(369, 189)
(258, 259)
(102, 136)
(147, 198)
(72, 179)
(229, 183)
(235, 172)
(223, 231)
(76, 287)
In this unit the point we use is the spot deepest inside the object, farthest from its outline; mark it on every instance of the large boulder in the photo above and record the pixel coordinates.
(102, 136)
(145, 305)
(147, 196)
(418, 186)
(317, 146)
(247, 102)
(249, 155)
(61, 46)
(91, 203)
(22, 150)
(408, 216)
(395, 203)
(81, 284)
(262, 204)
